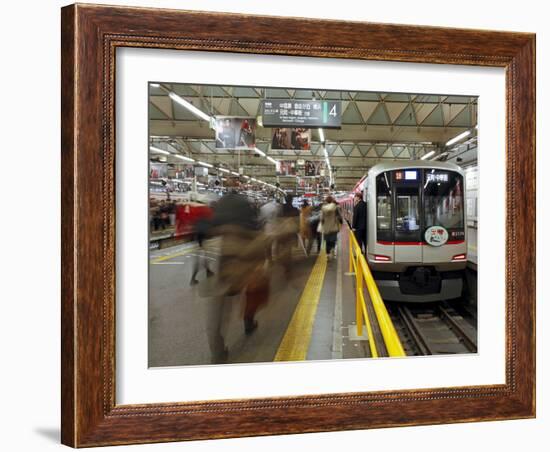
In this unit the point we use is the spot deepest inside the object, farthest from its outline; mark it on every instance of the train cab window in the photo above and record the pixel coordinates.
(443, 201)
(383, 208)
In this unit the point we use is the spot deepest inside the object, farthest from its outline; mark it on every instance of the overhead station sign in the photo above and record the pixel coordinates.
(326, 114)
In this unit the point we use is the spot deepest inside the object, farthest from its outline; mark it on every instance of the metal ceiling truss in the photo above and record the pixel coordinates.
(346, 149)
(394, 116)
(345, 175)
(359, 108)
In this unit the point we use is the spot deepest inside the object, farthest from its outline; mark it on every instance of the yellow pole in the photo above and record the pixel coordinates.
(358, 290)
(391, 339)
(350, 252)
(372, 344)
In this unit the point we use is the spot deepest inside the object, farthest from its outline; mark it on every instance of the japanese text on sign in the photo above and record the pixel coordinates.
(306, 113)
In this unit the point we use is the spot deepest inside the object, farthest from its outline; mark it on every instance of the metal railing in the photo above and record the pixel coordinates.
(363, 277)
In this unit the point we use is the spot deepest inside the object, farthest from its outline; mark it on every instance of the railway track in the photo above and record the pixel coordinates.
(434, 328)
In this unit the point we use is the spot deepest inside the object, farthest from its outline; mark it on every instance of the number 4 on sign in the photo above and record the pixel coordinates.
(333, 111)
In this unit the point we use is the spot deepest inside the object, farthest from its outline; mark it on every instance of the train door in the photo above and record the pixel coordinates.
(408, 232)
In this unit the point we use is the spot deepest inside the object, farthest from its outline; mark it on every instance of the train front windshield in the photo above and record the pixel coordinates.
(443, 202)
(410, 201)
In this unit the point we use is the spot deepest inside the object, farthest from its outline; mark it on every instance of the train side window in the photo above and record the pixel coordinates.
(383, 208)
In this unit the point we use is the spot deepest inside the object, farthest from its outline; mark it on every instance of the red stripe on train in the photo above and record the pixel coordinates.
(383, 242)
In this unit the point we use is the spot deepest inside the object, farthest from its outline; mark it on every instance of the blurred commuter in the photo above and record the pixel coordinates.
(242, 266)
(184, 219)
(269, 213)
(314, 223)
(163, 214)
(201, 221)
(153, 220)
(331, 220)
(359, 222)
(172, 213)
(287, 233)
(305, 229)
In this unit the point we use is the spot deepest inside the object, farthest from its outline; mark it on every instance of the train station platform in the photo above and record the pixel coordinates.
(311, 312)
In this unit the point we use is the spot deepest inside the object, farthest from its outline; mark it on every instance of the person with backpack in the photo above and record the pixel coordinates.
(331, 220)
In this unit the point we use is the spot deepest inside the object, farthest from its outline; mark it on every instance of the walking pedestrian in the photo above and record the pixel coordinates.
(331, 220)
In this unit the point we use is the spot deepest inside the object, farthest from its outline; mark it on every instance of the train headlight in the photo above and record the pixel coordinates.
(459, 257)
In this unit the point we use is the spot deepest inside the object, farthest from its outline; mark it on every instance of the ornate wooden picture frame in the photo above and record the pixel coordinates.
(90, 37)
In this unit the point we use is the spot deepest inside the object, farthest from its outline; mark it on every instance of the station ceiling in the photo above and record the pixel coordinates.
(375, 126)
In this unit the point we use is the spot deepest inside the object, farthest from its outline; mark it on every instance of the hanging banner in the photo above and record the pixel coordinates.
(326, 114)
(314, 168)
(296, 138)
(286, 168)
(235, 133)
(158, 170)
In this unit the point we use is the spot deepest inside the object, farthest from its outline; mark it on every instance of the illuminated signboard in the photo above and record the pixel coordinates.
(410, 175)
(437, 177)
(325, 114)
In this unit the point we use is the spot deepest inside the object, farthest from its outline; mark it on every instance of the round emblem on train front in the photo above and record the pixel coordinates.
(436, 235)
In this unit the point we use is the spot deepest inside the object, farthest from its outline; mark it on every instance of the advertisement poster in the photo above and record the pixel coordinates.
(158, 171)
(297, 139)
(235, 133)
(314, 168)
(287, 168)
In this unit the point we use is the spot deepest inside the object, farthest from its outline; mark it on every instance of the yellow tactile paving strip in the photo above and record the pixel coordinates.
(295, 342)
(173, 255)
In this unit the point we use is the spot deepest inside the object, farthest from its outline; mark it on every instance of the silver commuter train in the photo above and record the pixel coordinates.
(416, 241)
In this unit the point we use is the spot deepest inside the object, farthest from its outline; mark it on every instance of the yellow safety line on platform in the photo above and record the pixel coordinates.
(295, 343)
(171, 256)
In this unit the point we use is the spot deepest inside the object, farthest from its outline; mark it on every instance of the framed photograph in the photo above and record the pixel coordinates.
(266, 232)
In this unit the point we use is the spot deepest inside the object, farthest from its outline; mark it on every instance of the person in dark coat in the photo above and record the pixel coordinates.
(359, 223)
(241, 267)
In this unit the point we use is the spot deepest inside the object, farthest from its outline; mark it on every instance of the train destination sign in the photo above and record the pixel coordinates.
(326, 114)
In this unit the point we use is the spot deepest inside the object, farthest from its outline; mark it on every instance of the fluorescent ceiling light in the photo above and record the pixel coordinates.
(224, 170)
(189, 106)
(160, 151)
(188, 159)
(272, 160)
(208, 165)
(259, 151)
(321, 135)
(155, 85)
(235, 173)
(457, 138)
(429, 154)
